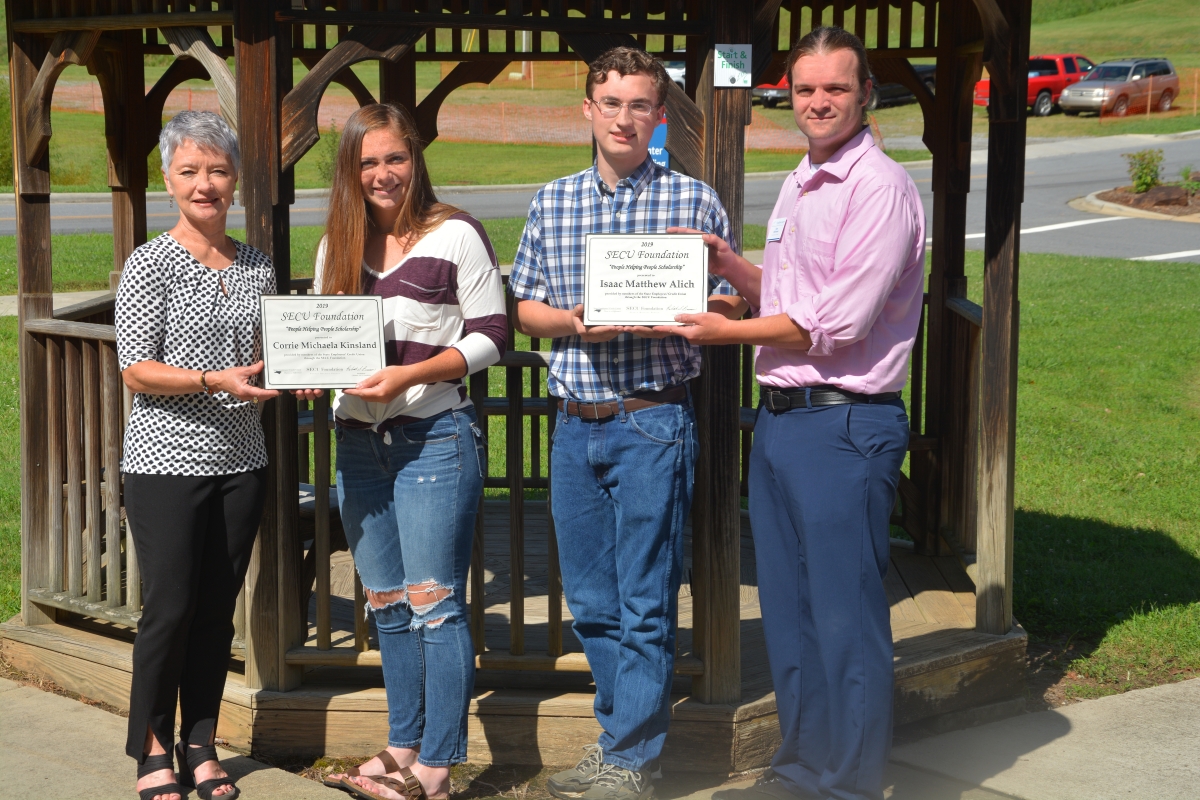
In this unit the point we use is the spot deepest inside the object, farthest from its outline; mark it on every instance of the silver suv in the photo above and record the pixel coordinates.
(1116, 87)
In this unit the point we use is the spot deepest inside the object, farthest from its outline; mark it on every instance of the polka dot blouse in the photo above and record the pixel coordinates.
(172, 309)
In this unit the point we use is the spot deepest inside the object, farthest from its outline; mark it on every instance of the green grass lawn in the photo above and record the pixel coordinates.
(1108, 478)
(78, 162)
(1108, 474)
(82, 261)
(1120, 29)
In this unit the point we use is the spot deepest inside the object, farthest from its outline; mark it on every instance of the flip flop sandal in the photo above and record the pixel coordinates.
(384, 757)
(192, 757)
(154, 764)
(410, 788)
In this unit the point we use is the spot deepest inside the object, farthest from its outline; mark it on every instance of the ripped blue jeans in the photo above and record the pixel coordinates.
(408, 499)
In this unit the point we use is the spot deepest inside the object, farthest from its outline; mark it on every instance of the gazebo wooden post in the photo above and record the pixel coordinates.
(1006, 24)
(34, 301)
(398, 81)
(125, 126)
(272, 583)
(716, 513)
(938, 474)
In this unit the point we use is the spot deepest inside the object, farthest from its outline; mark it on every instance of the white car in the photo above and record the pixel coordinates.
(677, 71)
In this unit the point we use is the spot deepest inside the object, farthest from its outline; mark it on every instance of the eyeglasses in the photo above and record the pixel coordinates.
(610, 108)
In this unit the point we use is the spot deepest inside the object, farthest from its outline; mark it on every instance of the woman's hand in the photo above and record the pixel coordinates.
(236, 381)
(385, 385)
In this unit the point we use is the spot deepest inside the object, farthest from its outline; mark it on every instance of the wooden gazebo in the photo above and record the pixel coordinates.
(304, 674)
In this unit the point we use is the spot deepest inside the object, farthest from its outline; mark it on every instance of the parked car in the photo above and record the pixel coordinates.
(1114, 87)
(677, 72)
(881, 94)
(1048, 76)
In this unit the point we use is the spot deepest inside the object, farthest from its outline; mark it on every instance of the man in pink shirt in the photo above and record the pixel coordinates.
(836, 304)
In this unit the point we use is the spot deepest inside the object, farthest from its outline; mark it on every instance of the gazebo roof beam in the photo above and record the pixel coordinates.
(123, 22)
(495, 22)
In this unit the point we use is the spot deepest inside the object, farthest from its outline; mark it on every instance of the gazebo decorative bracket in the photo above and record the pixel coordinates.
(299, 113)
(997, 50)
(900, 70)
(196, 43)
(347, 78)
(68, 47)
(183, 68)
(465, 72)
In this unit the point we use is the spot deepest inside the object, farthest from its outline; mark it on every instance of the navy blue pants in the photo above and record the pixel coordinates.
(822, 486)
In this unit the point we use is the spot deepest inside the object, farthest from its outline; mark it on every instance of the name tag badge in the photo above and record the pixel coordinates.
(775, 231)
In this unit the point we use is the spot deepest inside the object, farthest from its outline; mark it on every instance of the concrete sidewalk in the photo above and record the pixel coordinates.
(1140, 744)
(8, 302)
(55, 747)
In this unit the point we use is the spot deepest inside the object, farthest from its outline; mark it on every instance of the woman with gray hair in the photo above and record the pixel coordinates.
(194, 464)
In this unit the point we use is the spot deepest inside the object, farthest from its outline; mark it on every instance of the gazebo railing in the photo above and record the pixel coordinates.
(93, 569)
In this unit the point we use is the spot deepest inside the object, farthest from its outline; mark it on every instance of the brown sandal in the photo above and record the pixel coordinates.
(384, 756)
(409, 788)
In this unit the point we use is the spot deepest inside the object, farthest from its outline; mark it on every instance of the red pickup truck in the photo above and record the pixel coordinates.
(1048, 76)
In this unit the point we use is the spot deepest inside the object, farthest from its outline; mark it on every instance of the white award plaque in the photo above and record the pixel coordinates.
(321, 341)
(644, 279)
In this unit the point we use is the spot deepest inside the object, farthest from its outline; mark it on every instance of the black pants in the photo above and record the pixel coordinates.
(193, 537)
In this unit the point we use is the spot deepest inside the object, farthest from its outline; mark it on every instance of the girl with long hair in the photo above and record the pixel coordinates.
(411, 456)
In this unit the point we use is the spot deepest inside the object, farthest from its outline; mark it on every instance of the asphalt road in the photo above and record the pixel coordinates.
(1056, 173)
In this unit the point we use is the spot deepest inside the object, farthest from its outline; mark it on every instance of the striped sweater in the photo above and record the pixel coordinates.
(444, 293)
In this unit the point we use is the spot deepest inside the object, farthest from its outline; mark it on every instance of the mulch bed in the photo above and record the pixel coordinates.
(1124, 195)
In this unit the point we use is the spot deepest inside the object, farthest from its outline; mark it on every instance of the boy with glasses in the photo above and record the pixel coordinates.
(625, 440)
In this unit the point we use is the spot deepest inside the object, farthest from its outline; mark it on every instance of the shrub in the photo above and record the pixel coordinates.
(1145, 167)
(327, 157)
(1189, 180)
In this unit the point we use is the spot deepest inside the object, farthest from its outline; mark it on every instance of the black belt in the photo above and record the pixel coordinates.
(783, 399)
(598, 411)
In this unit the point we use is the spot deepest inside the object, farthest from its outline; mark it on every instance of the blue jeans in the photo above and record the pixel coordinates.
(822, 485)
(408, 502)
(622, 489)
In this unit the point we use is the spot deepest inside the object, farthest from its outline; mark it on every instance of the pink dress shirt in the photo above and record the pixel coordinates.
(849, 268)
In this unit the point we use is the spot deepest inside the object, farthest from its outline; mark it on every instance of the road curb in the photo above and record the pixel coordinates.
(1095, 205)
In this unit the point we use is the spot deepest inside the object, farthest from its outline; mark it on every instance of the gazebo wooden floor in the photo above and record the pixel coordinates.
(942, 666)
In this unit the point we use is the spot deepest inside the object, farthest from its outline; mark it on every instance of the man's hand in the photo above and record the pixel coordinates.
(594, 333)
(706, 328)
(384, 386)
(645, 332)
(721, 257)
(725, 263)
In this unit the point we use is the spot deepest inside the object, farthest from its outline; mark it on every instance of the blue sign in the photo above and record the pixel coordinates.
(658, 145)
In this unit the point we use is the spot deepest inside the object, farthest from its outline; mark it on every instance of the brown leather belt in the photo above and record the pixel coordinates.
(597, 411)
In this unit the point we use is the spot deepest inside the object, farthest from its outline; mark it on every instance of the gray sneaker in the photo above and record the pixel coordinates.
(572, 783)
(617, 783)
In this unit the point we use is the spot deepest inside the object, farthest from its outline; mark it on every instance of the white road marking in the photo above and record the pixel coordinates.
(1055, 227)
(1168, 256)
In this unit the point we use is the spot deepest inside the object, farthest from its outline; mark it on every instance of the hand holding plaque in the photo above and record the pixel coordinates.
(321, 341)
(644, 279)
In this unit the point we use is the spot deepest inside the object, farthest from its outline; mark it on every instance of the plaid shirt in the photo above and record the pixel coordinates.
(549, 267)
